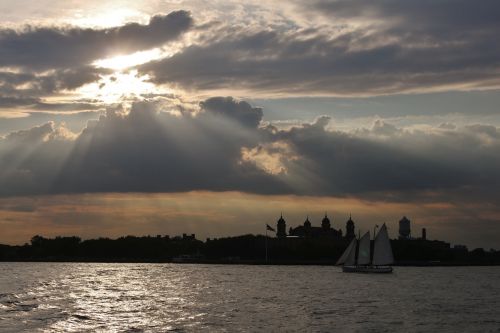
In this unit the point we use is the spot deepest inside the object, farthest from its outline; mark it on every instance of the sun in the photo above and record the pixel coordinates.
(126, 82)
(118, 87)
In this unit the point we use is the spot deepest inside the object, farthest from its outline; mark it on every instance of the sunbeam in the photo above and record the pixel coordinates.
(118, 87)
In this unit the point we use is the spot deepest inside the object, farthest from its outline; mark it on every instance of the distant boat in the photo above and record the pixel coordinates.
(187, 258)
(357, 257)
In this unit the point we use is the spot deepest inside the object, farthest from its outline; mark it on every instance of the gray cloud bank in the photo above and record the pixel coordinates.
(356, 48)
(346, 48)
(59, 47)
(227, 147)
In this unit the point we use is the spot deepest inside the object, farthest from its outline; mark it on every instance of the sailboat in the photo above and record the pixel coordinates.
(357, 257)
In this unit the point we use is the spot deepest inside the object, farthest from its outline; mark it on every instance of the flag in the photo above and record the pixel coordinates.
(268, 227)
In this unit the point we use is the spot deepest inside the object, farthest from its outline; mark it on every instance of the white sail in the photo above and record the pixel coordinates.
(382, 251)
(351, 259)
(347, 253)
(364, 250)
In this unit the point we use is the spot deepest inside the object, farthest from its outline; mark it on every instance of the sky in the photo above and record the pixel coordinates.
(169, 117)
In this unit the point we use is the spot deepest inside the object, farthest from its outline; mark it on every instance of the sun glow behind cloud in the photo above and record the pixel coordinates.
(123, 84)
(118, 86)
(129, 60)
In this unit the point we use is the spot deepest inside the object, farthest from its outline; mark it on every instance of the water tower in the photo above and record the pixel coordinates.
(404, 228)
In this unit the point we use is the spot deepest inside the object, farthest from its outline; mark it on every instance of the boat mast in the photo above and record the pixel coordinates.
(374, 228)
(357, 248)
(373, 252)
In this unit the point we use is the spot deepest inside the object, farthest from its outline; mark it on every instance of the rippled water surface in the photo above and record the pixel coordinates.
(74, 297)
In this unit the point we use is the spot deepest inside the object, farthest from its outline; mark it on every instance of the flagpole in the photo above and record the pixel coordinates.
(266, 243)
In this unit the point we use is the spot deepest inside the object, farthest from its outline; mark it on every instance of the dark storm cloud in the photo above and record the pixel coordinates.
(240, 111)
(427, 16)
(41, 48)
(414, 46)
(222, 148)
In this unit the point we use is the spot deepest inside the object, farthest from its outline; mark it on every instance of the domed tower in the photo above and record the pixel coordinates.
(307, 224)
(307, 228)
(349, 229)
(325, 223)
(281, 227)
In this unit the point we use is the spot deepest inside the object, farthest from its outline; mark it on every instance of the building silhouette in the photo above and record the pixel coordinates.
(281, 227)
(318, 245)
(325, 223)
(306, 230)
(349, 229)
(307, 223)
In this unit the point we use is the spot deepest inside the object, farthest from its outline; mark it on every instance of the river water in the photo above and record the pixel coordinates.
(79, 297)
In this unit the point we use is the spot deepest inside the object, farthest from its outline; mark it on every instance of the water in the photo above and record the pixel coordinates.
(73, 297)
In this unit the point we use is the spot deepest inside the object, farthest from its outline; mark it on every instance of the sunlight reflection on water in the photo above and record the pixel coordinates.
(73, 297)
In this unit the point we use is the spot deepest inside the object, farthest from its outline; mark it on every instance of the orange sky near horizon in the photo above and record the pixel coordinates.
(217, 214)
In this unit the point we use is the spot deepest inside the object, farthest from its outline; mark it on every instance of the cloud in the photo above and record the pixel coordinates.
(360, 48)
(30, 159)
(146, 150)
(30, 104)
(220, 149)
(428, 17)
(74, 121)
(42, 48)
(14, 101)
(241, 111)
(43, 61)
(387, 161)
(27, 91)
(68, 79)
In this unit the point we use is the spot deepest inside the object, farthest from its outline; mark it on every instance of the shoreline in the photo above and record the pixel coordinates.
(244, 262)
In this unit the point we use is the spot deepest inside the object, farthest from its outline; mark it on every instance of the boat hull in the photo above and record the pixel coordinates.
(367, 269)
